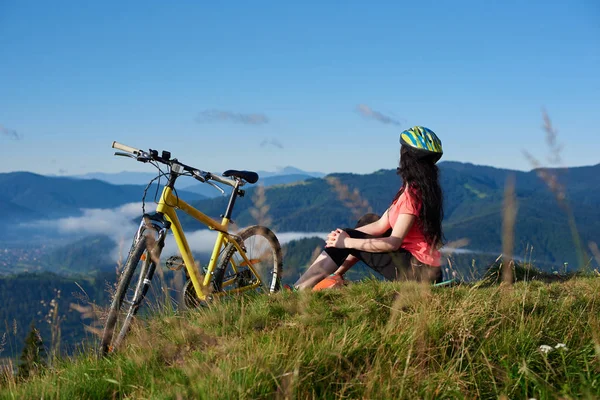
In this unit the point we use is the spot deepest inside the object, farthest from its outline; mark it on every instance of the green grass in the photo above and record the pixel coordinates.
(369, 340)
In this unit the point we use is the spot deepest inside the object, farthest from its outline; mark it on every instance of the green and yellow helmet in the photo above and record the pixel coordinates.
(423, 141)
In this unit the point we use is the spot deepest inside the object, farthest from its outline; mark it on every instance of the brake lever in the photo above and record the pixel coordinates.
(118, 153)
(198, 176)
(137, 158)
(218, 187)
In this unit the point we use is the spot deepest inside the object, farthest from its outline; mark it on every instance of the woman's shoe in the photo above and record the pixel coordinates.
(331, 282)
(288, 288)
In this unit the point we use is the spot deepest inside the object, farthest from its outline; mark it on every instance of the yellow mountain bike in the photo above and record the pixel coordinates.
(249, 260)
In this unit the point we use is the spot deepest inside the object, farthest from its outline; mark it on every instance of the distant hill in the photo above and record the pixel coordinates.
(267, 178)
(119, 178)
(210, 192)
(138, 178)
(289, 171)
(473, 207)
(27, 196)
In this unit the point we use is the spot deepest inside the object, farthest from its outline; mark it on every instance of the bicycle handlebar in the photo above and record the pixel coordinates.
(125, 148)
(198, 174)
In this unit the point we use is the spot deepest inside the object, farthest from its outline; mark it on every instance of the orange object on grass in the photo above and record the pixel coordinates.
(331, 282)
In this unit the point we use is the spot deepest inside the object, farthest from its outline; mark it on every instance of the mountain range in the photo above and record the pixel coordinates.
(132, 178)
(267, 178)
(474, 198)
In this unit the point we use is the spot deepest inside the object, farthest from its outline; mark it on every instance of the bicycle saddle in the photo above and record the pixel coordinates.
(248, 176)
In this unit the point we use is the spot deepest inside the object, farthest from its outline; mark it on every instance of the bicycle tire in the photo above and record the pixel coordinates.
(268, 249)
(135, 261)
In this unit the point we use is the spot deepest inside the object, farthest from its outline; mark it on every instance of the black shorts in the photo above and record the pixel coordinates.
(395, 265)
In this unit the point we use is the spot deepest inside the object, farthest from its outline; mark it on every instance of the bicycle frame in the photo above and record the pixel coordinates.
(167, 206)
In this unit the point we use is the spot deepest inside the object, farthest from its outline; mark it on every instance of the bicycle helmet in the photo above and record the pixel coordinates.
(423, 142)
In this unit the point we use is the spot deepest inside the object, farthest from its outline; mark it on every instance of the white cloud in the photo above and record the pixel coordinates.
(228, 116)
(118, 224)
(112, 222)
(285, 237)
(368, 112)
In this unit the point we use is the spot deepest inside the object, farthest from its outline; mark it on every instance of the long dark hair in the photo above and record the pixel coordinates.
(422, 176)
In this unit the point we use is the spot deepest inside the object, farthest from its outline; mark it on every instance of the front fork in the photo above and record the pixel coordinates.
(154, 222)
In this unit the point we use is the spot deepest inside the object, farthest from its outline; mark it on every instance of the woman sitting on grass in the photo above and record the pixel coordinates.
(402, 244)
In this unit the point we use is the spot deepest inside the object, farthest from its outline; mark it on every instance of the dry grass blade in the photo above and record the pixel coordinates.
(554, 157)
(260, 209)
(551, 134)
(54, 320)
(595, 251)
(509, 216)
(154, 250)
(351, 199)
(151, 235)
(454, 245)
(550, 178)
(8, 376)
(92, 312)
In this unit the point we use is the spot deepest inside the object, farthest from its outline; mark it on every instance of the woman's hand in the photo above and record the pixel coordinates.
(337, 239)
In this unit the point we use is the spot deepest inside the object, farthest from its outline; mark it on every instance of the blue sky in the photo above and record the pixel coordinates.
(74, 76)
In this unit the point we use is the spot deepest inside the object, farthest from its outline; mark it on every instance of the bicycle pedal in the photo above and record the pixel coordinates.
(175, 263)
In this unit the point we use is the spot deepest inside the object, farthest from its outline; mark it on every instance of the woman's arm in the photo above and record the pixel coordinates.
(378, 227)
(340, 239)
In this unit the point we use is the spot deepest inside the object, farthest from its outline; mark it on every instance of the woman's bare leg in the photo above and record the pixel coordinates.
(322, 267)
(350, 261)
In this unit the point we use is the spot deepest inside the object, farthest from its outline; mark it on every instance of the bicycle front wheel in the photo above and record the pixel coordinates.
(132, 287)
(262, 251)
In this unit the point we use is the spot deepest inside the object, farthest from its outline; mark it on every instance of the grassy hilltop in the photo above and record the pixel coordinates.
(369, 340)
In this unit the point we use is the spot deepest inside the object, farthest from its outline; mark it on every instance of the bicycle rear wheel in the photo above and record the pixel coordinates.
(132, 287)
(263, 251)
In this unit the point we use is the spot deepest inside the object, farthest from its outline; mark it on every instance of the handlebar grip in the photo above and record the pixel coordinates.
(224, 181)
(119, 146)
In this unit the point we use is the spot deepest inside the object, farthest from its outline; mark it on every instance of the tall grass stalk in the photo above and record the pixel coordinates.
(552, 181)
(260, 208)
(508, 230)
(352, 199)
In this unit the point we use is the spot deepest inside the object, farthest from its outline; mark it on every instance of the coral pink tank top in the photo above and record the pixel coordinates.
(414, 241)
